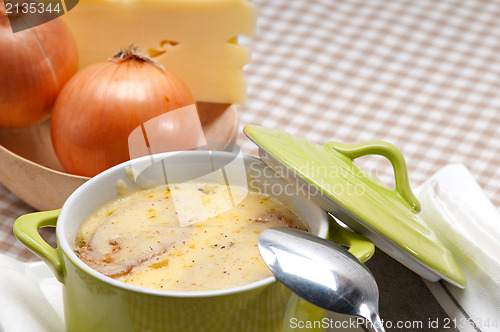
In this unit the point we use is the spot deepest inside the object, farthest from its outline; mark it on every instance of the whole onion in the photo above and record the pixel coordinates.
(102, 105)
(34, 66)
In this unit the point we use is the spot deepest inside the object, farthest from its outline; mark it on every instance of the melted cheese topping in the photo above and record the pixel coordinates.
(138, 239)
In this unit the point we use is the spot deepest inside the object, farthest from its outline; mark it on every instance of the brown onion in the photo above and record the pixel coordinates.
(34, 66)
(102, 105)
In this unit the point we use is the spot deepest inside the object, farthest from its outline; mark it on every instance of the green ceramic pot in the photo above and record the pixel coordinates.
(94, 302)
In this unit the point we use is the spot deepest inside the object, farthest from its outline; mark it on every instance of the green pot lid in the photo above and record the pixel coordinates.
(389, 218)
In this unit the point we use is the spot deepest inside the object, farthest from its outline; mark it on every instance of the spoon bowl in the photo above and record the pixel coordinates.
(321, 272)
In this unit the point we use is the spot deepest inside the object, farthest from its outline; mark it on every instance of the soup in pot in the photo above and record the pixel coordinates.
(143, 238)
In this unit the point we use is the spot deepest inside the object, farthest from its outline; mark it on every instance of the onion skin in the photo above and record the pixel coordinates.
(34, 65)
(102, 104)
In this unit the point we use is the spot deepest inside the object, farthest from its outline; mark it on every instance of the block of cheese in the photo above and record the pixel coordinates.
(195, 39)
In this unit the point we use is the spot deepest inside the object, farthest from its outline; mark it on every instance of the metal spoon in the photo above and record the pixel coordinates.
(321, 272)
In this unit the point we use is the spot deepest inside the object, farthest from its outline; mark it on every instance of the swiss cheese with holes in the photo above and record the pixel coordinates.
(195, 39)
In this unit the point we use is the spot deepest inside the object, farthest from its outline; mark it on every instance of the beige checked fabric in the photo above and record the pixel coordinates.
(11, 208)
(423, 75)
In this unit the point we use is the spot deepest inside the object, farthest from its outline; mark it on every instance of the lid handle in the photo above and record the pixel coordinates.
(388, 151)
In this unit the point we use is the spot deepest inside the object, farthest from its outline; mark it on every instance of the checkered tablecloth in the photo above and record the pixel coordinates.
(423, 75)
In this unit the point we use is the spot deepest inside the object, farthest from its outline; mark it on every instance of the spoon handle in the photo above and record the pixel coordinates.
(378, 328)
(376, 323)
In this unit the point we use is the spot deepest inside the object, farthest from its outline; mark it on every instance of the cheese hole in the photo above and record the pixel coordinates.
(164, 45)
(240, 40)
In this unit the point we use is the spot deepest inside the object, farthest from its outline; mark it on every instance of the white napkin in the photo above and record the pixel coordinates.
(30, 297)
(455, 207)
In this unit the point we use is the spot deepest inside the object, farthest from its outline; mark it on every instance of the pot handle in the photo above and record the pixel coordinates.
(26, 230)
(388, 151)
(359, 246)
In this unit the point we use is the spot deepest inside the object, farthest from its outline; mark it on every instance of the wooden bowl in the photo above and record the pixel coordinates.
(30, 169)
